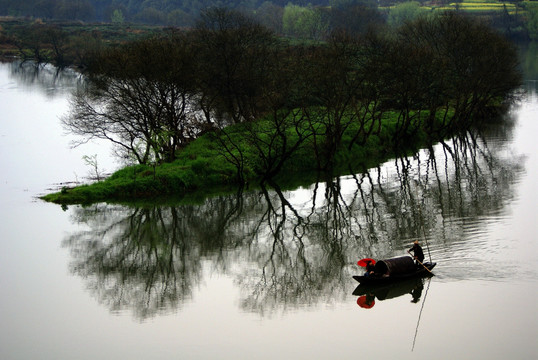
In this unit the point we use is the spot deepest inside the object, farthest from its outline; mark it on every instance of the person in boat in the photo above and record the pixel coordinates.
(418, 254)
(369, 268)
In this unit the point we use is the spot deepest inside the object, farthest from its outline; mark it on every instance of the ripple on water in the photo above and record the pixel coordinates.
(478, 248)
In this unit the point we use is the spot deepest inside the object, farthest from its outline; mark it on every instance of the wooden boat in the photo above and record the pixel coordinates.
(395, 269)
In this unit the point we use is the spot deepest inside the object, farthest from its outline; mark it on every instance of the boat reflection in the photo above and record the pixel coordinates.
(369, 293)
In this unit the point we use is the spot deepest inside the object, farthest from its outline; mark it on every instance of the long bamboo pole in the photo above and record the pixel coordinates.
(421, 264)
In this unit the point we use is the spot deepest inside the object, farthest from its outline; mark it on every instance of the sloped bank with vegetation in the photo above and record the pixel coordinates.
(229, 103)
(204, 167)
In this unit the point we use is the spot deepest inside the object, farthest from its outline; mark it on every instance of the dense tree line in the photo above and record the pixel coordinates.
(306, 19)
(232, 75)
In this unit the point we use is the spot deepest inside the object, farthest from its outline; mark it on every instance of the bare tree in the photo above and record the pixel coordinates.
(139, 102)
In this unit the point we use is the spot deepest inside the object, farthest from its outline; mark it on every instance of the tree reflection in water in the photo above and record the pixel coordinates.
(48, 79)
(287, 249)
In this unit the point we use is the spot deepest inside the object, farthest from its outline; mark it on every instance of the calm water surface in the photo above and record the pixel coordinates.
(266, 274)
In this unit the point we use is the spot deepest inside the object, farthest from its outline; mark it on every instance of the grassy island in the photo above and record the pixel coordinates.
(202, 167)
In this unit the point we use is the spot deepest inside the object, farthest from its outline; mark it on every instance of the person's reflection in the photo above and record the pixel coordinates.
(416, 293)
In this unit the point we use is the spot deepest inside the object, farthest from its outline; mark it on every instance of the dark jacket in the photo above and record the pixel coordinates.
(417, 251)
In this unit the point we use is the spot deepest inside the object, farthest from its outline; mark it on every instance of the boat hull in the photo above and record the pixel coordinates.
(387, 279)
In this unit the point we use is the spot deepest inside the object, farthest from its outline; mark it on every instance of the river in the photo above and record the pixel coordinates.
(266, 274)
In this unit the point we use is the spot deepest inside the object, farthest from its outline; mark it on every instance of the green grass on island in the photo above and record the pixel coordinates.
(202, 167)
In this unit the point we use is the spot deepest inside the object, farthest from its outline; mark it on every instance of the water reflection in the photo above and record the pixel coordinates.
(367, 294)
(49, 80)
(297, 248)
(528, 53)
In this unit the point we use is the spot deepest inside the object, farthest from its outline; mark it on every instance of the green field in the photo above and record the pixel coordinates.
(478, 6)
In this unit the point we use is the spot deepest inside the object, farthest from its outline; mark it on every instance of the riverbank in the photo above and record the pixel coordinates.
(203, 168)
